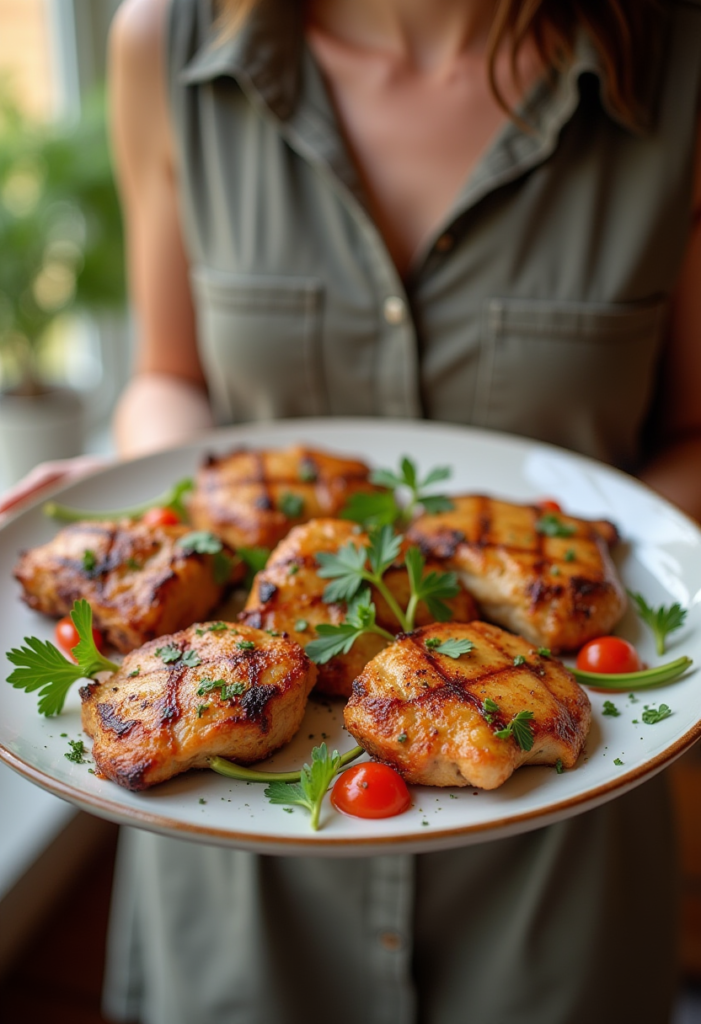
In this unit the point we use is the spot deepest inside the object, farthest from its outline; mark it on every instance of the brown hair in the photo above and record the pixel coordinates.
(623, 32)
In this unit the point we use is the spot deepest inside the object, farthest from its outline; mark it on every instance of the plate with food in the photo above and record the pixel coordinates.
(348, 637)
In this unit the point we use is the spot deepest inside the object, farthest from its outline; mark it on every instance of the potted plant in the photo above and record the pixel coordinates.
(61, 250)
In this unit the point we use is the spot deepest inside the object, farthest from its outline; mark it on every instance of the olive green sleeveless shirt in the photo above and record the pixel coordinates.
(537, 307)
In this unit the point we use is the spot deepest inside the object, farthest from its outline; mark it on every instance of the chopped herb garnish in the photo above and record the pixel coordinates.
(217, 627)
(77, 752)
(520, 728)
(451, 648)
(544, 652)
(301, 625)
(490, 708)
(89, 560)
(662, 620)
(610, 709)
(402, 737)
(207, 685)
(168, 654)
(191, 658)
(307, 471)
(293, 570)
(291, 505)
(570, 555)
(201, 708)
(246, 645)
(520, 659)
(558, 766)
(617, 761)
(653, 715)
(134, 672)
(202, 542)
(550, 525)
(232, 690)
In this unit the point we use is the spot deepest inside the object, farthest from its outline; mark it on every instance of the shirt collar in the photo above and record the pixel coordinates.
(266, 57)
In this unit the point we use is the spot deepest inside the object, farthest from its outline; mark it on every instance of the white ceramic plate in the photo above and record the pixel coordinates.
(660, 556)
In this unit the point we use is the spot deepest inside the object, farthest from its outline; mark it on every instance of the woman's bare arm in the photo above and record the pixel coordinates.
(166, 400)
(675, 470)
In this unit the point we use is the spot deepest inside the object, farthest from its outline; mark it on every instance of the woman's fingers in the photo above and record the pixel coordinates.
(46, 474)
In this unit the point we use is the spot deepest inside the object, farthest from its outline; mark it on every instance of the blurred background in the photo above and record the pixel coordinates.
(64, 356)
(64, 349)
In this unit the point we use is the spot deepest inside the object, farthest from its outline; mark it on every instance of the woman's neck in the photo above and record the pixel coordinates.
(426, 36)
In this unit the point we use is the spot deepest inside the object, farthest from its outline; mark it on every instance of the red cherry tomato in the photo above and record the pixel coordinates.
(609, 654)
(160, 517)
(67, 635)
(370, 790)
(548, 505)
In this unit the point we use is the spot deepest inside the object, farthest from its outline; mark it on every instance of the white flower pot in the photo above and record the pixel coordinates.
(38, 428)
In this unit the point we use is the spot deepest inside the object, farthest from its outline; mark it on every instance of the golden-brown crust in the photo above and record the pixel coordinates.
(244, 496)
(165, 711)
(424, 712)
(557, 591)
(138, 580)
(288, 596)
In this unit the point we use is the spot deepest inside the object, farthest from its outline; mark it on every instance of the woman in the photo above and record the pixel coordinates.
(467, 211)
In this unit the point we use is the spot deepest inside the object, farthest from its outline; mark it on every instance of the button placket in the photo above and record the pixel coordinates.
(390, 922)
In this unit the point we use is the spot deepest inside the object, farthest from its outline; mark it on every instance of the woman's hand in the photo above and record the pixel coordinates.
(45, 475)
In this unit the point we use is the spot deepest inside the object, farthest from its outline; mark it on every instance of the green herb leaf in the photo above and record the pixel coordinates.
(89, 560)
(311, 789)
(558, 766)
(383, 549)
(432, 504)
(490, 708)
(77, 752)
(291, 505)
(41, 666)
(550, 525)
(169, 654)
(617, 761)
(610, 709)
(202, 542)
(653, 715)
(520, 728)
(520, 659)
(452, 648)
(254, 559)
(191, 658)
(372, 510)
(301, 626)
(434, 588)
(232, 690)
(662, 621)
(246, 645)
(347, 570)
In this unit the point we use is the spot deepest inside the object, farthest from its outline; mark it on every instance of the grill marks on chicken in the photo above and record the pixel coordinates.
(215, 689)
(253, 498)
(288, 596)
(138, 581)
(557, 591)
(424, 713)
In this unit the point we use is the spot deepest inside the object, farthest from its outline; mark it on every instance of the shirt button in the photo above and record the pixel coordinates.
(394, 309)
(445, 243)
(391, 941)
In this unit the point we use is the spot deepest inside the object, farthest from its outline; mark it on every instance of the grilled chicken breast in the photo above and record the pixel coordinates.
(254, 498)
(213, 689)
(546, 576)
(138, 580)
(424, 712)
(288, 596)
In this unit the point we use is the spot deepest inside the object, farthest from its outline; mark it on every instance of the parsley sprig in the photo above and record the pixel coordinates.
(202, 542)
(351, 568)
(520, 728)
(41, 666)
(403, 495)
(662, 620)
(173, 498)
(315, 779)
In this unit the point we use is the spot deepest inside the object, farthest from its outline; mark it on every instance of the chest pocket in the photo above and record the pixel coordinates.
(575, 374)
(260, 341)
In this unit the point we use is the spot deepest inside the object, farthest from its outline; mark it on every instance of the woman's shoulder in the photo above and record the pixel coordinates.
(137, 33)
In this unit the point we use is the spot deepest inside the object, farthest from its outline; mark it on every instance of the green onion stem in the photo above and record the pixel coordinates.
(658, 676)
(236, 771)
(172, 498)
